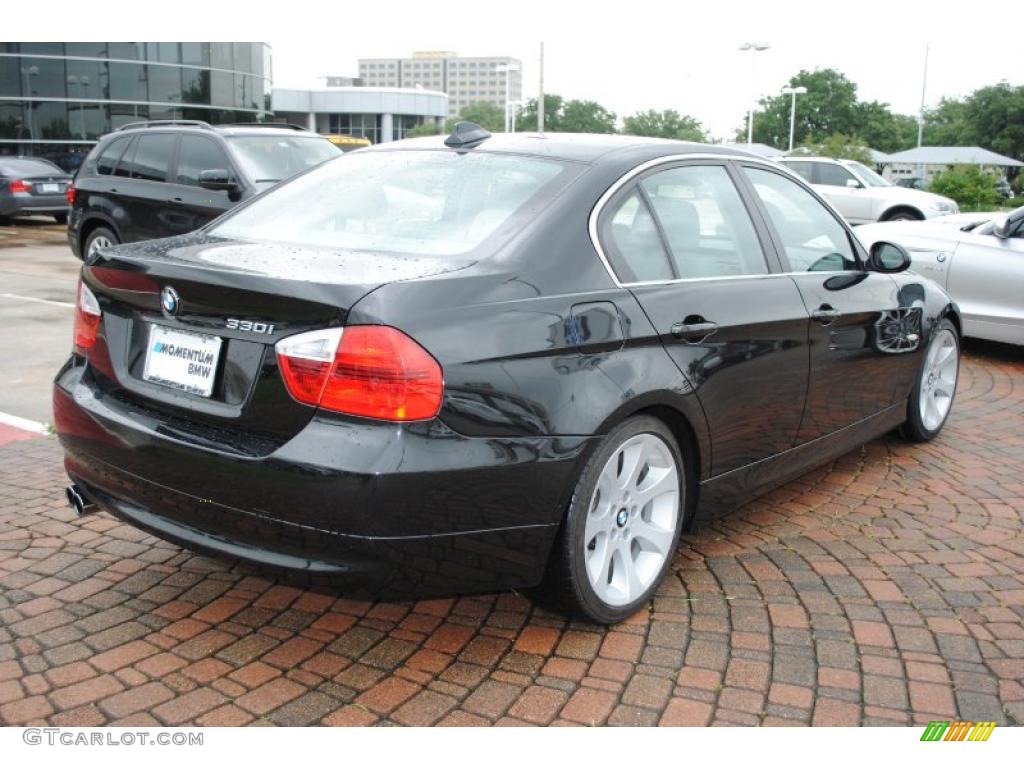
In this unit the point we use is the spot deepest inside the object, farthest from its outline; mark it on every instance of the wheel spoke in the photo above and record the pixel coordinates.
(632, 458)
(659, 480)
(632, 585)
(653, 537)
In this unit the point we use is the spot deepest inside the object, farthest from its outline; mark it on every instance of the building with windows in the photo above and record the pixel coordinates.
(378, 114)
(924, 162)
(56, 99)
(466, 80)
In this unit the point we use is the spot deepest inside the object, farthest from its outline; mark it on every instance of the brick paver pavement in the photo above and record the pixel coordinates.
(885, 589)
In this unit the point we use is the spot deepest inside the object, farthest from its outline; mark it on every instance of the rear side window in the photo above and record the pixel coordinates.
(152, 157)
(198, 154)
(804, 169)
(430, 203)
(812, 237)
(632, 243)
(108, 158)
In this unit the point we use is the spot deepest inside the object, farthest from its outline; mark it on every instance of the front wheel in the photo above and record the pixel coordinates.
(930, 402)
(623, 524)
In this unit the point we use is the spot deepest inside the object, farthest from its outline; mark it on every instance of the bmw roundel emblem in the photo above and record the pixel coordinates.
(169, 300)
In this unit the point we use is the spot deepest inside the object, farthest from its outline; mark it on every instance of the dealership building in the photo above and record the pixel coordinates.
(378, 114)
(57, 99)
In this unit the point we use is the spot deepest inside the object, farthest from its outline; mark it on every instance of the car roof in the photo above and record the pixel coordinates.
(239, 129)
(578, 147)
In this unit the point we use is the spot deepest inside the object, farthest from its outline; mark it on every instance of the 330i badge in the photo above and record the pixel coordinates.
(487, 362)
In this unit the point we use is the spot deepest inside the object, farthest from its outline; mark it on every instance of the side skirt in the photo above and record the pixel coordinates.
(722, 494)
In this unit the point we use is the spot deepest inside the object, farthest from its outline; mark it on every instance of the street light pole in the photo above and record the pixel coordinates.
(792, 112)
(508, 69)
(753, 48)
(924, 86)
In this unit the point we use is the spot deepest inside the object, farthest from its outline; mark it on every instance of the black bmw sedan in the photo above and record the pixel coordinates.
(487, 362)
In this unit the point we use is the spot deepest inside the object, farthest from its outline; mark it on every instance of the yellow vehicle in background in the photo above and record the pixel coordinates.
(347, 143)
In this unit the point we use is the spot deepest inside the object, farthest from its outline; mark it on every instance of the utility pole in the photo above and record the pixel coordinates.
(924, 86)
(540, 94)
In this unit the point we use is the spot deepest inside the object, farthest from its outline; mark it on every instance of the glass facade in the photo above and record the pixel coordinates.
(57, 99)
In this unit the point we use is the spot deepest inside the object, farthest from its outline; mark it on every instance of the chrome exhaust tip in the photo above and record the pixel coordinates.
(78, 501)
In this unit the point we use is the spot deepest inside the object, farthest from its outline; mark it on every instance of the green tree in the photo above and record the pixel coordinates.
(484, 113)
(426, 128)
(586, 117)
(972, 188)
(830, 106)
(527, 120)
(839, 146)
(667, 124)
(946, 125)
(573, 116)
(995, 115)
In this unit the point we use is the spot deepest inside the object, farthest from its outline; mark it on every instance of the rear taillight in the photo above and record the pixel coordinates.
(20, 185)
(364, 370)
(87, 319)
(70, 194)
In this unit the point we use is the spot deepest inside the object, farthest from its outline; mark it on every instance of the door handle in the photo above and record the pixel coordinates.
(826, 314)
(693, 329)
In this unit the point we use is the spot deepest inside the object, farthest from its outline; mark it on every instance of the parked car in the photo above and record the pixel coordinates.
(862, 196)
(31, 185)
(1004, 188)
(347, 143)
(484, 362)
(980, 263)
(911, 182)
(164, 177)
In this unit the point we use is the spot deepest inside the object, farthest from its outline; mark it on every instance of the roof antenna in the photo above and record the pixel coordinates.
(466, 135)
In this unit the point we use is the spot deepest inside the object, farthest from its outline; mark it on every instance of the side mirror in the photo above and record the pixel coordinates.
(1010, 225)
(888, 257)
(217, 178)
(853, 184)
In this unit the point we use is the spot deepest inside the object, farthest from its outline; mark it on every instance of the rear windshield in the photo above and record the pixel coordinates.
(273, 158)
(30, 168)
(422, 202)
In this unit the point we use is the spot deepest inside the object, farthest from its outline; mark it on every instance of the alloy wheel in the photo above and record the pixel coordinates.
(938, 379)
(98, 242)
(631, 519)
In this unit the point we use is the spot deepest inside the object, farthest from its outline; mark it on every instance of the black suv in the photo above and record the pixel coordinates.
(167, 177)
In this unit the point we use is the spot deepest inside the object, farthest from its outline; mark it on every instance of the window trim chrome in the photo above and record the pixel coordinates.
(628, 176)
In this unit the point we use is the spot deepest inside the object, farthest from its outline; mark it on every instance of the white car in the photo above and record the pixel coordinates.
(862, 196)
(980, 263)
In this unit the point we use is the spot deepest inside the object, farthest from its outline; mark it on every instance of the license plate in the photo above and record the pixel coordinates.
(50, 188)
(181, 360)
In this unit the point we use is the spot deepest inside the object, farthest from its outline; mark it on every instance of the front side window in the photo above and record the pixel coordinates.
(198, 154)
(832, 175)
(868, 177)
(420, 202)
(273, 158)
(812, 237)
(707, 227)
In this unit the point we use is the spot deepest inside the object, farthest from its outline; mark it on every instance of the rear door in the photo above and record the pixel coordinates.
(683, 241)
(862, 331)
(145, 193)
(192, 205)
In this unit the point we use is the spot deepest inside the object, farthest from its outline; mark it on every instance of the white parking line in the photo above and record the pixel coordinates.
(19, 423)
(41, 301)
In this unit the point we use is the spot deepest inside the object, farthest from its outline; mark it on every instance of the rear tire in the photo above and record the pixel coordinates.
(623, 525)
(101, 237)
(931, 400)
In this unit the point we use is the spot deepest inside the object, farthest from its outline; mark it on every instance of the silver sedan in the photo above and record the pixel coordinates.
(977, 257)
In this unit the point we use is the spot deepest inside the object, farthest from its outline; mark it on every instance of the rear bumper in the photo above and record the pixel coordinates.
(30, 204)
(418, 509)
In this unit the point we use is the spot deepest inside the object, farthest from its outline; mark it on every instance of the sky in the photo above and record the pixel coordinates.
(629, 56)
